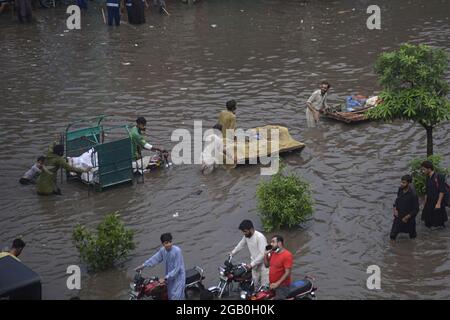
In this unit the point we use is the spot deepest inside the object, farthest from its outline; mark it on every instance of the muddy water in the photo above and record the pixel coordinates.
(269, 55)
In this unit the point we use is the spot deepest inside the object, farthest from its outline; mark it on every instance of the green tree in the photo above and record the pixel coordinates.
(284, 200)
(111, 242)
(413, 87)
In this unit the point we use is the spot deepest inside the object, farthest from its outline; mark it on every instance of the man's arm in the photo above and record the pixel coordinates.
(441, 191)
(68, 167)
(239, 247)
(310, 107)
(395, 207)
(152, 261)
(310, 101)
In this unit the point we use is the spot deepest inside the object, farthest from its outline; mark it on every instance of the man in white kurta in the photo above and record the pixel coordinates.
(316, 103)
(214, 151)
(256, 243)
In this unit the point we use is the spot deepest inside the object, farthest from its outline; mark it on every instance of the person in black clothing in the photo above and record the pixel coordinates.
(406, 207)
(434, 214)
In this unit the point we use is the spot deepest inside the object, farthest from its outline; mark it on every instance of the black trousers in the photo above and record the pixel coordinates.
(398, 226)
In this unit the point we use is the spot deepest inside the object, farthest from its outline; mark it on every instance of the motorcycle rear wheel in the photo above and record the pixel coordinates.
(192, 294)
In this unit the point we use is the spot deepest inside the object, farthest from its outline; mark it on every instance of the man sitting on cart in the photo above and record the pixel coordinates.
(138, 141)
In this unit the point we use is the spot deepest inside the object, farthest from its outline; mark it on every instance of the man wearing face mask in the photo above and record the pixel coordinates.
(316, 104)
(256, 243)
(279, 261)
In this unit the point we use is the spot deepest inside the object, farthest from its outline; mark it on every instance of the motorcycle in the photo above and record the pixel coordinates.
(231, 274)
(299, 290)
(151, 289)
(160, 159)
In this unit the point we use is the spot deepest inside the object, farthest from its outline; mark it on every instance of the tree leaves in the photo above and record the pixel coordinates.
(111, 242)
(419, 180)
(284, 201)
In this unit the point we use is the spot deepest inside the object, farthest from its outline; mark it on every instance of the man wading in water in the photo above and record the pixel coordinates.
(406, 207)
(434, 214)
(316, 103)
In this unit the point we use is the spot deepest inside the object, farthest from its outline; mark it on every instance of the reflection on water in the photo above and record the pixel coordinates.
(177, 69)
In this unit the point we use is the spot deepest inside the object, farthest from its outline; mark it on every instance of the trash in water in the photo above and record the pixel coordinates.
(126, 63)
(176, 215)
(136, 45)
(214, 25)
(183, 89)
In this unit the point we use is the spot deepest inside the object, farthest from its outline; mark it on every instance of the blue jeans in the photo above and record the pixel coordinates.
(113, 14)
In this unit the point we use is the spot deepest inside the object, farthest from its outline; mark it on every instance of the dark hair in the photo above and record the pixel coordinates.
(246, 225)
(41, 158)
(18, 244)
(407, 178)
(58, 149)
(141, 120)
(231, 105)
(166, 237)
(217, 126)
(427, 164)
(279, 238)
(326, 83)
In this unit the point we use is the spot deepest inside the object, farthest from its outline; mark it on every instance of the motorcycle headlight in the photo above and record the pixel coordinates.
(243, 295)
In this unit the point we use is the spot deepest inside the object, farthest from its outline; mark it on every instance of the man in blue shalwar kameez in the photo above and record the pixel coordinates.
(175, 272)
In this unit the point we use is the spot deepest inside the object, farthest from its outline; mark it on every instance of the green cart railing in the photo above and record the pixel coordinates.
(112, 158)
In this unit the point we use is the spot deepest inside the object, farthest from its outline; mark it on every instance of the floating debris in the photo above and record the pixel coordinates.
(214, 26)
(176, 215)
(126, 63)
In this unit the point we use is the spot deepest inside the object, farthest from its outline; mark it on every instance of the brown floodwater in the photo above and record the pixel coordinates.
(269, 56)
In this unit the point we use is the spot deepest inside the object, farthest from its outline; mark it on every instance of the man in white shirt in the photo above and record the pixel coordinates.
(214, 150)
(256, 243)
(316, 103)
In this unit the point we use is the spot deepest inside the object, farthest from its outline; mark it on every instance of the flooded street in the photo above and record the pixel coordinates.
(269, 56)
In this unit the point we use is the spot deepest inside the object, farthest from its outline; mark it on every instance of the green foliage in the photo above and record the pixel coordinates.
(111, 242)
(414, 85)
(284, 200)
(419, 179)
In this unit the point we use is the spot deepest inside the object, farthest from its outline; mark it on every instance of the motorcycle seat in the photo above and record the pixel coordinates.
(299, 287)
(192, 275)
